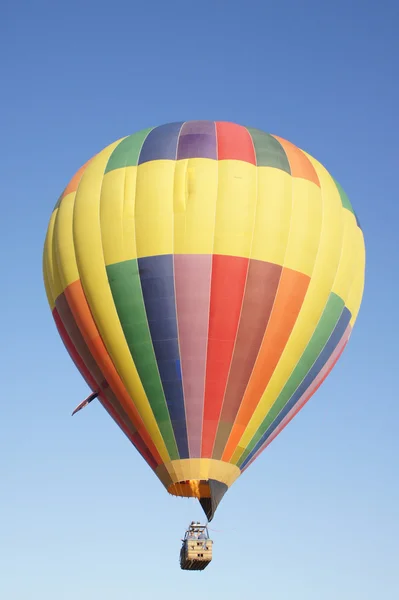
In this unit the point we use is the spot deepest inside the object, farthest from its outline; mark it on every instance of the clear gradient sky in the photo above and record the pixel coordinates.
(317, 516)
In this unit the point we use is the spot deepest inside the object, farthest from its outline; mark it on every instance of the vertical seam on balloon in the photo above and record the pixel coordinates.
(123, 212)
(187, 166)
(56, 271)
(52, 265)
(148, 326)
(210, 286)
(270, 316)
(174, 290)
(46, 270)
(306, 295)
(361, 265)
(102, 252)
(244, 291)
(54, 250)
(102, 248)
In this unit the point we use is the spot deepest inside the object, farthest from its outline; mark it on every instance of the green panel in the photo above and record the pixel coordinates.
(124, 281)
(127, 152)
(244, 456)
(269, 152)
(323, 331)
(344, 198)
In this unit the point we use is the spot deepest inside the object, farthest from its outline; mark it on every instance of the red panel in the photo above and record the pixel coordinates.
(260, 292)
(234, 142)
(73, 353)
(227, 289)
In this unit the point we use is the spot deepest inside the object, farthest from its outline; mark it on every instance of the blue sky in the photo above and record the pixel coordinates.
(316, 517)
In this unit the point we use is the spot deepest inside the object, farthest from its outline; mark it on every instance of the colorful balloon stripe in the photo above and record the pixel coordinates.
(283, 406)
(324, 372)
(260, 295)
(125, 284)
(286, 308)
(206, 139)
(226, 298)
(328, 333)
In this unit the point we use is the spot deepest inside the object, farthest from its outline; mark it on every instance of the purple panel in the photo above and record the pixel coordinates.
(192, 289)
(161, 143)
(197, 140)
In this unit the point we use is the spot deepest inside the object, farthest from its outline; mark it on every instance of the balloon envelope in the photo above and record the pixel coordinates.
(205, 278)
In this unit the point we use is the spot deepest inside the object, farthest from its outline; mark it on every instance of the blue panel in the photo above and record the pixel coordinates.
(324, 355)
(161, 143)
(178, 368)
(157, 283)
(180, 431)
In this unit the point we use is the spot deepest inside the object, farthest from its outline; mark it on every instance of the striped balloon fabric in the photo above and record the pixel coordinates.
(205, 278)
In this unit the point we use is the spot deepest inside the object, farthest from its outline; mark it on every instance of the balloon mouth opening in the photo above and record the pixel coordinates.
(208, 492)
(191, 488)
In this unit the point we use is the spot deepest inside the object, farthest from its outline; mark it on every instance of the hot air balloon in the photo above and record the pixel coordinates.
(205, 278)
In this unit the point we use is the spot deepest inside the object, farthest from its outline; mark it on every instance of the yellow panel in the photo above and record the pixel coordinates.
(50, 299)
(55, 276)
(304, 234)
(235, 209)
(346, 270)
(117, 206)
(90, 261)
(197, 469)
(320, 286)
(273, 215)
(51, 281)
(195, 196)
(47, 274)
(228, 207)
(154, 208)
(178, 471)
(356, 292)
(64, 248)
